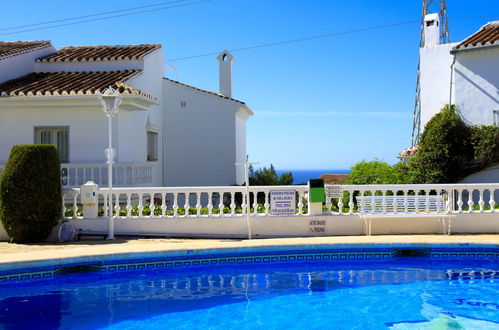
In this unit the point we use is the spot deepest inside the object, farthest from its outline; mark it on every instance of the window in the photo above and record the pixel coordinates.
(495, 117)
(58, 136)
(183, 104)
(152, 146)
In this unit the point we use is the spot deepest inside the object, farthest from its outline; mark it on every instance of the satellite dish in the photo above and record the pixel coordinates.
(66, 232)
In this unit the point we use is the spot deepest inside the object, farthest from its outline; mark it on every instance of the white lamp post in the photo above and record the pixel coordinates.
(248, 206)
(110, 100)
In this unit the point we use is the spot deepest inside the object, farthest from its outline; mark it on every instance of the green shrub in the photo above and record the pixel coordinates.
(485, 143)
(444, 149)
(30, 193)
(379, 172)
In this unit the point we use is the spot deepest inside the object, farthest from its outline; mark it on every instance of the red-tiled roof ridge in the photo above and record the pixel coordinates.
(13, 48)
(335, 178)
(204, 90)
(70, 83)
(487, 35)
(100, 53)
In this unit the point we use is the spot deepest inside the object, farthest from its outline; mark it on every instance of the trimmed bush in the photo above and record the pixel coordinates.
(30, 193)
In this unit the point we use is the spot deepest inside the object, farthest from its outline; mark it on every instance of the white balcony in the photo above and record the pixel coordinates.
(124, 174)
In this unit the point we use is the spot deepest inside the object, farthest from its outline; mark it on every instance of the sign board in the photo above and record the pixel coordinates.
(282, 202)
(334, 191)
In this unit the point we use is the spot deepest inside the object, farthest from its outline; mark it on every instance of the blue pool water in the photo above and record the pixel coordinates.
(405, 293)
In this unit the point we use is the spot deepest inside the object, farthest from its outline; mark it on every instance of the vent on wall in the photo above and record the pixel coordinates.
(183, 104)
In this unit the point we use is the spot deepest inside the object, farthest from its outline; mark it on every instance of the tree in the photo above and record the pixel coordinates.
(30, 193)
(268, 177)
(443, 151)
(378, 172)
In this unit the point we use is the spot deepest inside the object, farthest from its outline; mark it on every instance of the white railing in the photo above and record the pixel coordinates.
(183, 202)
(174, 202)
(458, 198)
(124, 174)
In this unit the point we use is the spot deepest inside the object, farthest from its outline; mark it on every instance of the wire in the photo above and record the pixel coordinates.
(108, 17)
(87, 16)
(320, 36)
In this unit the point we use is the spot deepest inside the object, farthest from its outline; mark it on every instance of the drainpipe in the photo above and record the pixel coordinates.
(451, 76)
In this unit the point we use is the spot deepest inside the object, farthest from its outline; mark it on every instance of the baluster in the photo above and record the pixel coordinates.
(427, 200)
(84, 176)
(350, 202)
(117, 207)
(106, 204)
(266, 205)
(75, 206)
(300, 202)
(210, 203)
(175, 204)
(406, 201)
(187, 203)
(481, 202)
(92, 169)
(373, 206)
(450, 200)
(128, 205)
(340, 205)
(163, 204)
(198, 203)
(470, 201)
(243, 204)
(64, 206)
(383, 195)
(232, 204)
(221, 203)
(141, 206)
(492, 202)
(255, 203)
(459, 200)
(329, 205)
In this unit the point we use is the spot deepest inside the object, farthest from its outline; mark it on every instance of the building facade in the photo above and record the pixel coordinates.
(51, 96)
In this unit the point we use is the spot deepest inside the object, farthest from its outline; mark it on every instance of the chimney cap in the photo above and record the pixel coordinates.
(431, 17)
(225, 56)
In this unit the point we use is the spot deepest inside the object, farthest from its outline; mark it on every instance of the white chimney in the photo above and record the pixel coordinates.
(431, 30)
(225, 58)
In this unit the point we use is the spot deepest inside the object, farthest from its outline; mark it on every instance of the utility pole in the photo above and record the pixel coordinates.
(429, 6)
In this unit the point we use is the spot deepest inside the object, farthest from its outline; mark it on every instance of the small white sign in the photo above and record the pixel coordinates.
(282, 202)
(334, 191)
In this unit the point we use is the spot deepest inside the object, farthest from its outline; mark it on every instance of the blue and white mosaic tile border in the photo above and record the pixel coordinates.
(248, 258)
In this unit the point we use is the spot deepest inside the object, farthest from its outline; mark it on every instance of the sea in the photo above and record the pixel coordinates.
(302, 176)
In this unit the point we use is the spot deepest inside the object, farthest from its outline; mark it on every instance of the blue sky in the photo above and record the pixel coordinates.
(319, 104)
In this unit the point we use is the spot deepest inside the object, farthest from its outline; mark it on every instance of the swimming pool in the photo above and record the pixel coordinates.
(406, 290)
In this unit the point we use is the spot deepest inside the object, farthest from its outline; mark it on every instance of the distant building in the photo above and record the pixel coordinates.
(166, 134)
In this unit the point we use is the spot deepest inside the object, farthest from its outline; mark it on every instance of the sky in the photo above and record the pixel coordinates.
(324, 103)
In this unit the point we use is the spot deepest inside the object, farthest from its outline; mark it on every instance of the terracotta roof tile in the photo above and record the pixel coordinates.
(488, 35)
(204, 90)
(100, 53)
(70, 83)
(335, 178)
(12, 48)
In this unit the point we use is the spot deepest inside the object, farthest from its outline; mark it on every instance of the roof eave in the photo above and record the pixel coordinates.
(456, 50)
(130, 102)
(244, 112)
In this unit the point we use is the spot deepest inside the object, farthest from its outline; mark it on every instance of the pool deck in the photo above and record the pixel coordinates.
(13, 256)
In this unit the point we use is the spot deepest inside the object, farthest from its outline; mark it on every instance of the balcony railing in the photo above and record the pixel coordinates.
(124, 174)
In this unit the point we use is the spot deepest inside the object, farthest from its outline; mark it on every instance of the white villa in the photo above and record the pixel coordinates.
(166, 133)
(465, 73)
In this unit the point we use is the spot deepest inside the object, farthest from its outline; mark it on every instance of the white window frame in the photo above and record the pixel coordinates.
(54, 139)
(495, 117)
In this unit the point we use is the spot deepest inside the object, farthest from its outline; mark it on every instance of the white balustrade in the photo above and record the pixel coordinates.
(140, 202)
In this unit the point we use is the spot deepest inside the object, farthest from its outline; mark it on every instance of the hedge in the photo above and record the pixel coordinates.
(30, 193)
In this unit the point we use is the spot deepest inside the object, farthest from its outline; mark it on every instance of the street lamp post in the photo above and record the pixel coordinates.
(110, 100)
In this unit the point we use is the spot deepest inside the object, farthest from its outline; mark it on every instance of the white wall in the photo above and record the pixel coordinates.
(477, 84)
(19, 65)
(435, 64)
(240, 148)
(199, 139)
